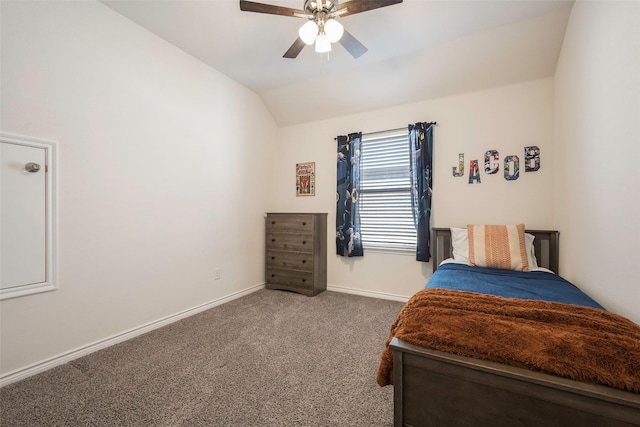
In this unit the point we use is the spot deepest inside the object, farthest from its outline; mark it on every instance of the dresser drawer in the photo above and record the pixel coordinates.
(290, 223)
(290, 241)
(292, 278)
(290, 260)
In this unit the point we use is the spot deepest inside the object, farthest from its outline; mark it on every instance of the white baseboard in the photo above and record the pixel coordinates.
(372, 294)
(61, 359)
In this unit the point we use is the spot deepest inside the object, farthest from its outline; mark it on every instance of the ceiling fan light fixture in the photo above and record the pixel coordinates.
(308, 32)
(334, 30)
(322, 43)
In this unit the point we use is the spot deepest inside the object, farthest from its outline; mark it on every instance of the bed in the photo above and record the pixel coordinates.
(454, 384)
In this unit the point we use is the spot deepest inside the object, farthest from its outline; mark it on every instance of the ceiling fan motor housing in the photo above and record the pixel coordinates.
(312, 7)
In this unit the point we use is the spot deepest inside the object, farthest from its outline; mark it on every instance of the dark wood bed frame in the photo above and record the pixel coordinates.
(432, 388)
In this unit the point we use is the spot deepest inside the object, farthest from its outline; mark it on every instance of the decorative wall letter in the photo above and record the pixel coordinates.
(474, 172)
(516, 168)
(460, 170)
(531, 158)
(491, 164)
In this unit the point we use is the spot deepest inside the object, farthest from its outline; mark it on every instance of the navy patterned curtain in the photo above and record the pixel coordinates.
(421, 141)
(348, 241)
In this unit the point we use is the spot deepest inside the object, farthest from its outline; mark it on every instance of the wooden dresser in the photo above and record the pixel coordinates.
(296, 252)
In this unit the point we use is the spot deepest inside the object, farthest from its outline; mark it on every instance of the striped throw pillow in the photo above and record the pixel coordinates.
(498, 246)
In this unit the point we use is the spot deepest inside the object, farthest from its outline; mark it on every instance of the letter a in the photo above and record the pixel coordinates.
(474, 172)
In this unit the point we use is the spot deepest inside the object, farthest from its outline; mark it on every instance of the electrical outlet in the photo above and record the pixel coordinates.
(216, 274)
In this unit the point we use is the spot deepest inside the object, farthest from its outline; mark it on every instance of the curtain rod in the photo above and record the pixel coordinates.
(390, 130)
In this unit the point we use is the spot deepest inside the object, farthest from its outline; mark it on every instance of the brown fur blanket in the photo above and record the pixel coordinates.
(581, 343)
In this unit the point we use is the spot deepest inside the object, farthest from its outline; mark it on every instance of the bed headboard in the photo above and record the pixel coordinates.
(545, 244)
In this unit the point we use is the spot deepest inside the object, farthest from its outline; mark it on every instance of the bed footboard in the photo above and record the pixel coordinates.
(432, 388)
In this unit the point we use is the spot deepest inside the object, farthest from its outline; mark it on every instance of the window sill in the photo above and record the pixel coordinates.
(391, 251)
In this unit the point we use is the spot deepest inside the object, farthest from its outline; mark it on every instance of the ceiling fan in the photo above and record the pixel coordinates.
(321, 26)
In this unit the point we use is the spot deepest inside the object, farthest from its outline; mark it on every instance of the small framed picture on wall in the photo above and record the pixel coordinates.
(306, 179)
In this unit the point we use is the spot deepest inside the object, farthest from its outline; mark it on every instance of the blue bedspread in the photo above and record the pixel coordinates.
(536, 285)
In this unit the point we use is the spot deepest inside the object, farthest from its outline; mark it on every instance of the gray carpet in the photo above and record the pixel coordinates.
(271, 358)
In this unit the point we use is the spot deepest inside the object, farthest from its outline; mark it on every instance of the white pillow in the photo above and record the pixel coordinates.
(450, 261)
(460, 243)
(531, 251)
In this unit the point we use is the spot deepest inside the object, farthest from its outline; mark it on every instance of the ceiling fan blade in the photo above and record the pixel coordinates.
(295, 49)
(250, 6)
(353, 45)
(357, 6)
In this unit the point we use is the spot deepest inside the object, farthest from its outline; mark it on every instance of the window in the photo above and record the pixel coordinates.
(386, 214)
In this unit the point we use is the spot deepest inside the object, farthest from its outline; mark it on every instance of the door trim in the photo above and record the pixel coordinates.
(50, 148)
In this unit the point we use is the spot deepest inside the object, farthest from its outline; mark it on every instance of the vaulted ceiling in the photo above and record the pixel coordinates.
(418, 49)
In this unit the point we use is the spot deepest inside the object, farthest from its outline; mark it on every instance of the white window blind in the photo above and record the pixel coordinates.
(385, 192)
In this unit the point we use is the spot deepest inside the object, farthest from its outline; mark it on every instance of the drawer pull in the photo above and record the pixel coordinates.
(304, 223)
(273, 222)
(304, 242)
(273, 257)
(304, 280)
(273, 275)
(304, 261)
(273, 240)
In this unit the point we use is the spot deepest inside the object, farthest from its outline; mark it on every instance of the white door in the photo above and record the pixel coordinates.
(23, 215)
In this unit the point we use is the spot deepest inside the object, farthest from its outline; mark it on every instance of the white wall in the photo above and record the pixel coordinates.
(597, 108)
(505, 119)
(162, 170)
